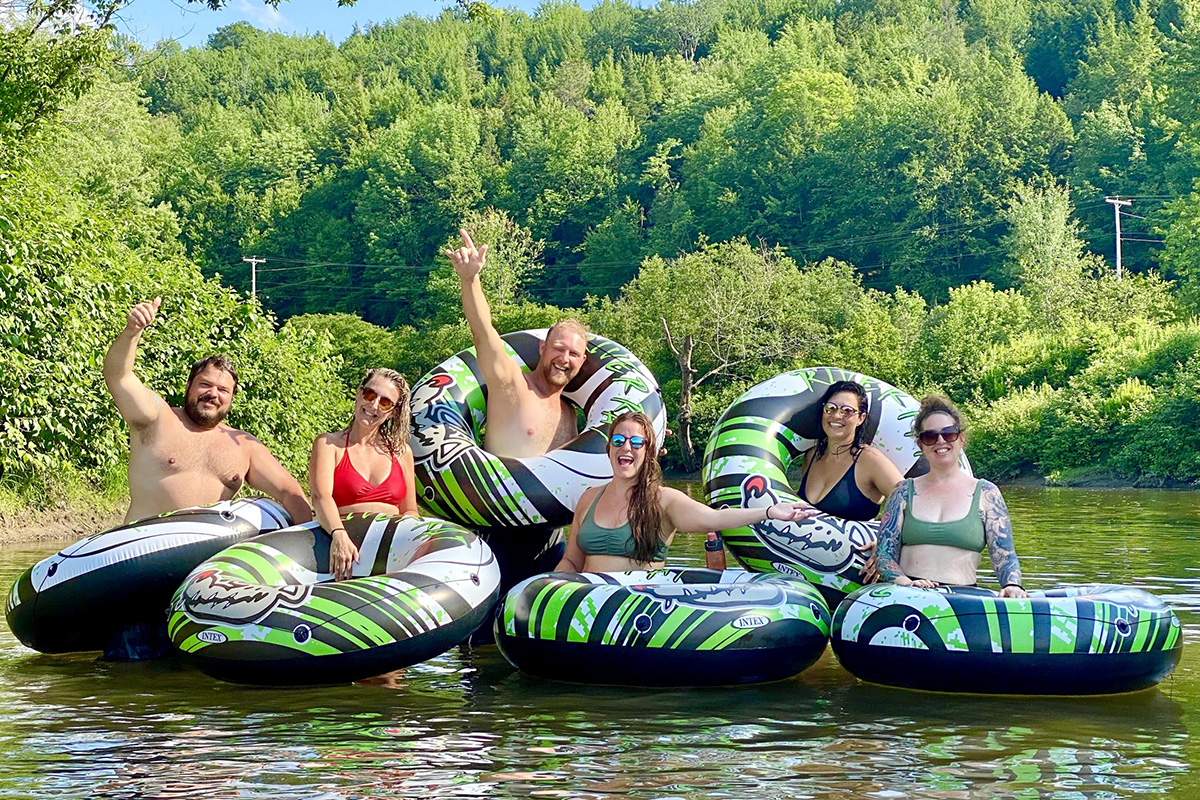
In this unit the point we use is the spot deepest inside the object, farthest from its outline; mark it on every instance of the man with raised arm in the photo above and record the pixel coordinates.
(180, 457)
(526, 413)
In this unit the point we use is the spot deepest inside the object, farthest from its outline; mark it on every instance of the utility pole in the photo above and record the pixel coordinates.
(1117, 202)
(254, 261)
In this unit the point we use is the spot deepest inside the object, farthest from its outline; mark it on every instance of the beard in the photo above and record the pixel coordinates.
(556, 377)
(204, 417)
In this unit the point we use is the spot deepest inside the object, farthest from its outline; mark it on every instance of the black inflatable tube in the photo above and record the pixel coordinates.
(1008, 673)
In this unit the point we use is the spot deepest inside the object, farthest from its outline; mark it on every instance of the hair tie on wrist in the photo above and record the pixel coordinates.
(335, 530)
(1019, 586)
(767, 516)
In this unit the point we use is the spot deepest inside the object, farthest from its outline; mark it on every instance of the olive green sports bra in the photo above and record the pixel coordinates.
(966, 533)
(594, 540)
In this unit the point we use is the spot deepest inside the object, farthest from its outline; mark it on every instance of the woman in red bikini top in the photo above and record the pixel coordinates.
(366, 468)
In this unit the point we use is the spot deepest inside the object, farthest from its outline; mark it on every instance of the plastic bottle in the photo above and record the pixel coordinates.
(714, 551)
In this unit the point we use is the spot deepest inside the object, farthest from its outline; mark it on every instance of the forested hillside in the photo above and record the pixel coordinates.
(913, 188)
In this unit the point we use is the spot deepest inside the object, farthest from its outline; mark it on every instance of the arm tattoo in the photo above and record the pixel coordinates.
(997, 527)
(887, 552)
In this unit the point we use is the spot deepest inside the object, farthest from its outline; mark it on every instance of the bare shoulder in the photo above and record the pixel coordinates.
(331, 439)
(989, 492)
(668, 496)
(873, 456)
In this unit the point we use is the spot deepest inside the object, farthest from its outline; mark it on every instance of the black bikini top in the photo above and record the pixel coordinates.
(845, 499)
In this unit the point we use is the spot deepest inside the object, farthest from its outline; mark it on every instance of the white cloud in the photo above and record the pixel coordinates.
(262, 15)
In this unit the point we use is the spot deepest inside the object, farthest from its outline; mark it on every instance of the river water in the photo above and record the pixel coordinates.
(466, 725)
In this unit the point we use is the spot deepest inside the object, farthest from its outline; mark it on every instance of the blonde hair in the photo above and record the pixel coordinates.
(395, 429)
(569, 324)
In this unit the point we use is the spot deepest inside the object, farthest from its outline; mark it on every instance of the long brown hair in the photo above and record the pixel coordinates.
(645, 514)
(395, 430)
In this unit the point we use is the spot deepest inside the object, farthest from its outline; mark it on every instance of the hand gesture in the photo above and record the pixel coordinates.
(343, 555)
(468, 260)
(1012, 590)
(141, 315)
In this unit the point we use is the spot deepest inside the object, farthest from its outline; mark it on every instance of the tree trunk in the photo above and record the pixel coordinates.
(684, 419)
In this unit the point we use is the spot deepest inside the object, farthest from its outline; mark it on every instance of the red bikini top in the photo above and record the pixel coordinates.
(350, 487)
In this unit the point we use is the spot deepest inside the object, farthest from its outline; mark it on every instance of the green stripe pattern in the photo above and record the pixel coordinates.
(756, 442)
(264, 599)
(672, 608)
(1078, 620)
(459, 480)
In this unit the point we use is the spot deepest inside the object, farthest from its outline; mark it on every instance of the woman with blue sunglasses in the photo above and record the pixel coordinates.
(934, 527)
(629, 522)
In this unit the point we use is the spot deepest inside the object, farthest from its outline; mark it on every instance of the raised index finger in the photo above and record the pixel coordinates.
(466, 237)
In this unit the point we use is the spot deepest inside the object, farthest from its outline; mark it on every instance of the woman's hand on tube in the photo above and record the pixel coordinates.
(870, 570)
(1012, 590)
(791, 512)
(920, 583)
(343, 555)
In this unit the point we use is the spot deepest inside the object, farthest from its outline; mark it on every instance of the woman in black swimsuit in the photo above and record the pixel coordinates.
(844, 475)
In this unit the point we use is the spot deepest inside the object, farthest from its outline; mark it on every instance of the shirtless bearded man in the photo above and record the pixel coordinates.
(527, 415)
(182, 457)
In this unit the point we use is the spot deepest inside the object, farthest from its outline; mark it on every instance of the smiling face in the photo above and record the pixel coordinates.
(840, 426)
(375, 402)
(627, 461)
(209, 396)
(940, 451)
(561, 356)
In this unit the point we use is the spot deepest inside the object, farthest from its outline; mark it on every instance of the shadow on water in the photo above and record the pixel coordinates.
(467, 725)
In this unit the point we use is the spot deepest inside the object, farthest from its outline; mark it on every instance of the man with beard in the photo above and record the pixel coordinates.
(526, 413)
(182, 457)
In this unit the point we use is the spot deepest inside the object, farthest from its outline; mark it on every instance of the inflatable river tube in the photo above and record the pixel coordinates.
(459, 480)
(668, 627)
(267, 612)
(86, 595)
(1073, 641)
(761, 436)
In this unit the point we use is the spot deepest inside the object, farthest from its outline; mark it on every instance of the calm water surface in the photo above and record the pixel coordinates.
(467, 725)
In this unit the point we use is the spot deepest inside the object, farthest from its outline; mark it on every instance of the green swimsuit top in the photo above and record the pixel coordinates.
(966, 533)
(597, 541)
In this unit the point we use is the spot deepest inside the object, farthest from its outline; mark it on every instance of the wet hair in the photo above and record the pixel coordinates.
(645, 514)
(570, 324)
(937, 404)
(860, 433)
(220, 361)
(395, 430)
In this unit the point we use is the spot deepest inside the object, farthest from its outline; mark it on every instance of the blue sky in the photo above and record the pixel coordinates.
(149, 21)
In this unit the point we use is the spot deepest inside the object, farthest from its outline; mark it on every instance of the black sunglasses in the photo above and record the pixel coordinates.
(929, 438)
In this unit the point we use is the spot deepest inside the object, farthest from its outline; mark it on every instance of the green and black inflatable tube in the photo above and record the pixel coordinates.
(267, 612)
(668, 627)
(1079, 640)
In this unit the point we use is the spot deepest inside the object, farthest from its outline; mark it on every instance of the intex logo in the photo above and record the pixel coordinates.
(751, 621)
(212, 637)
(785, 569)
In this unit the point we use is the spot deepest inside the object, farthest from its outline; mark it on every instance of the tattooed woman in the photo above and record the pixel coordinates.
(934, 527)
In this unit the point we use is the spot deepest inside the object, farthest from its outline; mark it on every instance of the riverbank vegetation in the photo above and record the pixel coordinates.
(732, 188)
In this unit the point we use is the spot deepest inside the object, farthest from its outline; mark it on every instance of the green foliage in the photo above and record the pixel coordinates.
(360, 345)
(900, 168)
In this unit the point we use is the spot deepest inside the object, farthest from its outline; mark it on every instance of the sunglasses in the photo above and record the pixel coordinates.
(929, 438)
(636, 442)
(834, 410)
(370, 395)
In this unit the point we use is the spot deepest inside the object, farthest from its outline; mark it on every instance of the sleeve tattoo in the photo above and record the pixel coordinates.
(997, 527)
(888, 549)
